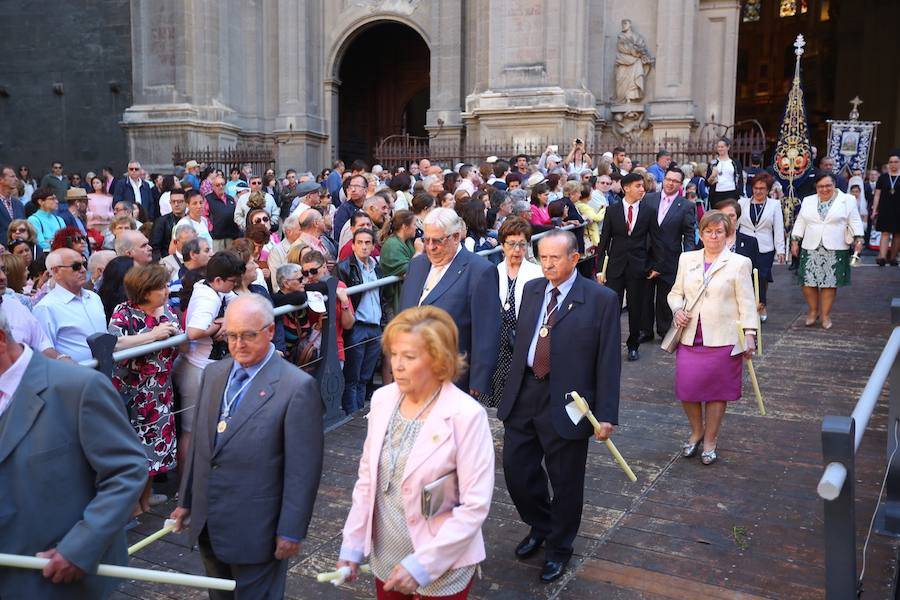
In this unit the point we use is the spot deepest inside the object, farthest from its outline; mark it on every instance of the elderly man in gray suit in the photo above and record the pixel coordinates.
(256, 460)
(71, 472)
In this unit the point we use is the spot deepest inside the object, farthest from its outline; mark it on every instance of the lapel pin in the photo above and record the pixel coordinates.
(261, 393)
(570, 306)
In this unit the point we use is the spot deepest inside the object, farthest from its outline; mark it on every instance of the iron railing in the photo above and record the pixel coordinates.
(841, 437)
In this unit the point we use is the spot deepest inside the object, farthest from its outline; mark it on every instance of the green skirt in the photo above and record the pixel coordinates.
(821, 268)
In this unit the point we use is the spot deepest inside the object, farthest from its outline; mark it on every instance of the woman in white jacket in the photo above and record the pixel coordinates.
(828, 222)
(761, 217)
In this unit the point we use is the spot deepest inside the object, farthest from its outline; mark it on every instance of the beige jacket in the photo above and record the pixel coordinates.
(728, 299)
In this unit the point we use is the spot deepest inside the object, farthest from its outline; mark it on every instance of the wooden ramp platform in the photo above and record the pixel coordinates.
(748, 527)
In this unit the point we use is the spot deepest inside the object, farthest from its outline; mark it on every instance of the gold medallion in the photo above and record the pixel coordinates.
(222, 427)
(543, 332)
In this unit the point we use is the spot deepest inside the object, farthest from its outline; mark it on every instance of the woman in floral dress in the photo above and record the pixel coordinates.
(144, 382)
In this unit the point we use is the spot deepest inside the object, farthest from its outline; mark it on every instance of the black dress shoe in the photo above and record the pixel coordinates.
(553, 570)
(645, 337)
(528, 546)
(633, 355)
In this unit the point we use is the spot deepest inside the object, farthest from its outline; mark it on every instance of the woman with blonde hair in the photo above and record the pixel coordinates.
(712, 297)
(426, 475)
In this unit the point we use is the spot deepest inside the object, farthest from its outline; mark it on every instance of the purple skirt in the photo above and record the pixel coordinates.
(707, 374)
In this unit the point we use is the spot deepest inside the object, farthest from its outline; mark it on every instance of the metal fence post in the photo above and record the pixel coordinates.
(328, 373)
(102, 346)
(840, 516)
(887, 521)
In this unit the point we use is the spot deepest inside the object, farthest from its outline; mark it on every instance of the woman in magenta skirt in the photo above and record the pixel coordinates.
(708, 362)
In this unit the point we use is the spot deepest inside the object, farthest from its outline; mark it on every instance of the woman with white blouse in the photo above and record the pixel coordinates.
(762, 218)
(724, 174)
(827, 224)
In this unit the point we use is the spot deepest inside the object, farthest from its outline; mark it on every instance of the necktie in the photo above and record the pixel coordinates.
(630, 217)
(237, 383)
(541, 365)
(663, 209)
(7, 203)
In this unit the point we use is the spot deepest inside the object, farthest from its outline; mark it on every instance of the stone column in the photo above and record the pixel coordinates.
(671, 110)
(442, 120)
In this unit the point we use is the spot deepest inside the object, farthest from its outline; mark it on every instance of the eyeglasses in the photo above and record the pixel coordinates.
(134, 168)
(76, 239)
(21, 230)
(260, 220)
(246, 336)
(672, 180)
(310, 272)
(516, 245)
(256, 183)
(357, 186)
(601, 182)
(76, 266)
(429, 241)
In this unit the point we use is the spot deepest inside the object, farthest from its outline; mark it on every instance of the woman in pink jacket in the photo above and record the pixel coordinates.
(427, 471)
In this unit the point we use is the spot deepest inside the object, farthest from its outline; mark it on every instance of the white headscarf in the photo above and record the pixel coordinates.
(861, 201)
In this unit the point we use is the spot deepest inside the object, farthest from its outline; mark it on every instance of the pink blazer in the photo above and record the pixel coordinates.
(455, 436)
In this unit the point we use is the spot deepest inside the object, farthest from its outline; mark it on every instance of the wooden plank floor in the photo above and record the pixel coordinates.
(748, 527)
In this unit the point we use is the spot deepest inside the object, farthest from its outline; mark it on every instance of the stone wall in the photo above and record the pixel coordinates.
(84, 45)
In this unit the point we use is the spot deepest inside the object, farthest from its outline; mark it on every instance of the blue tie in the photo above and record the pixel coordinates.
(237, 382)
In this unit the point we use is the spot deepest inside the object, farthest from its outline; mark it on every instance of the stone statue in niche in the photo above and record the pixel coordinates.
(633, 63)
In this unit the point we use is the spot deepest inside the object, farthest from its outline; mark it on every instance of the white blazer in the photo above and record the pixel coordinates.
(527, 272)
(769, 232)
(728, 299)
(829, 232)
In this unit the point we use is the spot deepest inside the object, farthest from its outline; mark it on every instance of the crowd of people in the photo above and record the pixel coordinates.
(481, 314)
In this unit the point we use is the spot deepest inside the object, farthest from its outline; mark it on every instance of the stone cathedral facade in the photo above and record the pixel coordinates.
(311, 76)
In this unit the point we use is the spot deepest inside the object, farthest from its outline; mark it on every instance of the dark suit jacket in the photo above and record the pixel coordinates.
(585, 353)
(469, 292)
(123, 191)
(676, 233)
(6, 218)
(746, 245)
(71, 472)
(260, 478)
(634, 254)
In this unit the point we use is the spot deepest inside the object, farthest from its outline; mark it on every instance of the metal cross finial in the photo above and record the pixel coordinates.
(854, 113)
(798, 45)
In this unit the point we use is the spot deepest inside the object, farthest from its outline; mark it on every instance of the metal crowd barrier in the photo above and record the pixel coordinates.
(841, 437)
(327, 368)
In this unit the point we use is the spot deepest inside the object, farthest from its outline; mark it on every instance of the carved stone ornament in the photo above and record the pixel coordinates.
(403, 7)
(630, 125)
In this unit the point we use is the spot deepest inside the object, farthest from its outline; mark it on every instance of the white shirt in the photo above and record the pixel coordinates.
(25, 328)
(725, 177)
(437, 273)
(136, 186)
(12, 377)
(201, 227)
(68, 320)
(634, 213)
(202, 310)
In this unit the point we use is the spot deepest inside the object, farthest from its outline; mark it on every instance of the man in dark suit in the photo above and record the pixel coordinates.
(10, 206)
(630, 237)
(465, 285)
(256, 460)
(134, 190)
(677, 219)
(571, 324)
(71, 472)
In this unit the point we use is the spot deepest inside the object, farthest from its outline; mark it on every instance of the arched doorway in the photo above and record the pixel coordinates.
(385, 88)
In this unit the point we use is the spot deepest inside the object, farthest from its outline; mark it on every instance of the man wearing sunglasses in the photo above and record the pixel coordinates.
(69, 313)
(10, 207)
(134, 190)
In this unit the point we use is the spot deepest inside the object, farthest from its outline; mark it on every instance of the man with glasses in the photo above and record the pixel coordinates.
(466, 286)
(134, 190)
(602, 194)
(255, 470)
(69, 313)
(55, 180)
(356, 197)
(10, 207)
(677, 218)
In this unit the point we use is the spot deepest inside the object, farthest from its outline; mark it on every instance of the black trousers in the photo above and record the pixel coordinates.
(528, 439)
(656, 308)
(637, 294)
(264, 581)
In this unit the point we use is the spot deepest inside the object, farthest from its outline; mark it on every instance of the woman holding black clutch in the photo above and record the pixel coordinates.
(427, 470)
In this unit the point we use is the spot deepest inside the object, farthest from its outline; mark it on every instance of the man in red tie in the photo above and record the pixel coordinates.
(630, 238)
(567, 340)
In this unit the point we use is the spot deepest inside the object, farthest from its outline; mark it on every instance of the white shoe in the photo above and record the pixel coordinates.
(157, 499)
